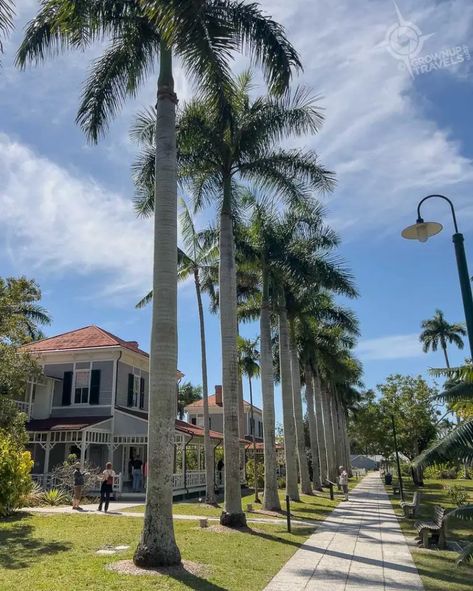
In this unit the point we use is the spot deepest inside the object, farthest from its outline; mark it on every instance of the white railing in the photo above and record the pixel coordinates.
(195, 479)
(23, 407)
(177, 481)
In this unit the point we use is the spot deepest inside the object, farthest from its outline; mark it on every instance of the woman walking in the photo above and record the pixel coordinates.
(107, 486)
(78, 486)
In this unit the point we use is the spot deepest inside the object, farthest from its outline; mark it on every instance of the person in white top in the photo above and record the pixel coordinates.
(343, 480)
(107, 486)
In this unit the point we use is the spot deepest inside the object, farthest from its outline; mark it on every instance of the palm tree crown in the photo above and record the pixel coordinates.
(437, 331)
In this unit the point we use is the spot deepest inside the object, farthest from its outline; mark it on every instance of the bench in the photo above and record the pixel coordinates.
(435, 529)
(410, 509)
(396, 488)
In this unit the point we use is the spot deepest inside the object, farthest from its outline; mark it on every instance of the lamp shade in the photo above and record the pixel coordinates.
(421, 231)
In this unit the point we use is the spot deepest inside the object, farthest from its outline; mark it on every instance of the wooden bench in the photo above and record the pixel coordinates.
(435, 529)
(410, 508)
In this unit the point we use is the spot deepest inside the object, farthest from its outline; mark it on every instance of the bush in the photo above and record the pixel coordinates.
(15, 479)
(55, 497)
(442, 472)
(281, 482)
(63, 475)
(458, 495)
(34, 497)
(250, 473)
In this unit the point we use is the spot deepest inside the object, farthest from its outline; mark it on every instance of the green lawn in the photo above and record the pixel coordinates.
(437, 568)
(58, 553)
(311, 508)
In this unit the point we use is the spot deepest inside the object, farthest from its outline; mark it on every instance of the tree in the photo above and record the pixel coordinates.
(437, 331)
(214, 156)
(198, 260)
(187, 395)
(248, 364)
(142, 32)
(6, 19)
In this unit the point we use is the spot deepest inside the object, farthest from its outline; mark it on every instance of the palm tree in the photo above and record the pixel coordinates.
(213, 157)
(143, 33)
(248, 361)
(457, 446)
(198, 260)
(437, 331)
(6, 19)
(187, 394)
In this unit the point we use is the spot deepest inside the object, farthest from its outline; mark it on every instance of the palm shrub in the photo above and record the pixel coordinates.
(55, 497)
(143, 33)
(15, 478)
(437, 331)
(33, 496)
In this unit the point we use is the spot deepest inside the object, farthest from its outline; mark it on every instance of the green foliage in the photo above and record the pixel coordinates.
(55, 497)
(466, 555)
(437, 331)
(410, 400)
(34, 496)
(15, 479)
(458, 494)
(281, 482)
(250, 473)
(187, 394)
(442, 471)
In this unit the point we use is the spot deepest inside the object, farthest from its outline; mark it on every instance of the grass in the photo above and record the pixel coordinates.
(310, 508)
(437, 568)
(57, 552)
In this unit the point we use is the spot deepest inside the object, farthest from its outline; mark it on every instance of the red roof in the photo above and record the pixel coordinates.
(63, 423)
(89, 337)
(213, 403)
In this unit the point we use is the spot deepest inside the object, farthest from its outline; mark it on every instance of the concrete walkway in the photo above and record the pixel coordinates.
(358, 547)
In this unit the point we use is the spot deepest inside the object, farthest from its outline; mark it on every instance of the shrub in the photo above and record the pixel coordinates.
(281, 482)
(441, 472)
(15, 479)
(63, 475)
(250, 473)
(458, 495)
(55, 497)
(33, 497)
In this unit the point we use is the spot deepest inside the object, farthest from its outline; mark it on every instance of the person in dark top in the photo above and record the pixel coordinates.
(220, 466)
(79, 482)
(107, 486)
(137, 474)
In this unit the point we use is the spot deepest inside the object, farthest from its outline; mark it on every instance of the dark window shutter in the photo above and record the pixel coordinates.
(67, 388)
(94, 386)
(142, 392)
(131, 378)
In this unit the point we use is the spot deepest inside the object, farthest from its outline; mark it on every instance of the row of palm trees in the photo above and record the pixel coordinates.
(224, 148)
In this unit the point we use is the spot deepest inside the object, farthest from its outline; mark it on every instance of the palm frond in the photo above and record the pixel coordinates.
(457, 445)
(464, 513)
(466, 555)
(7, 13)
(145, 301)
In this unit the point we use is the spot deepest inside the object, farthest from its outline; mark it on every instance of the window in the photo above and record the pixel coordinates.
(193, 421)
(81, 386)
(136, 390)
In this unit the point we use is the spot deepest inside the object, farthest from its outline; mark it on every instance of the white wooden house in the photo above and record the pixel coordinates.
(92, 401)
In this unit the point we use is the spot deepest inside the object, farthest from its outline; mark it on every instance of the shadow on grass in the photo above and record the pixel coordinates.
(18, 547)
(195, 582)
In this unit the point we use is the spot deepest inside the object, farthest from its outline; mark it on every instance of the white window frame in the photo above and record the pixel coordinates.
(73, 393)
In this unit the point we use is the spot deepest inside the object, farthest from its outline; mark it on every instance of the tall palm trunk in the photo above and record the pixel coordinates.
(444, 348)
(157, 546)
(209, 454)
(233, 515)
(252, 418)
(292, 489)
(270, 497)
(319, 416)
(329, 440)
(306, 485)
(340, 456)
(314, 448)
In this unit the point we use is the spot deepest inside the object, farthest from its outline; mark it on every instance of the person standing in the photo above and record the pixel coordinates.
(107, 486)
(78, 486)
(145, 474)
(343, 480)
(137, 474)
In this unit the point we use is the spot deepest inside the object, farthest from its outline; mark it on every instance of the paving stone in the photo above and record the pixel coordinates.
(359, 547)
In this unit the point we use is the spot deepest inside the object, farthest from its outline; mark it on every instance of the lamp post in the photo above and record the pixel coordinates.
(421, 231)
(401, 485)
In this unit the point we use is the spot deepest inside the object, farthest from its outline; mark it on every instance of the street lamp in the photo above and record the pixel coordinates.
(421, 231)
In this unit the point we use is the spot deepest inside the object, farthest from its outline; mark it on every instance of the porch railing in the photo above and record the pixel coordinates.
(23, 407)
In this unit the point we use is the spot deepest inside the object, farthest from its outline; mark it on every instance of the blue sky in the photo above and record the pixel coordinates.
(66, 216)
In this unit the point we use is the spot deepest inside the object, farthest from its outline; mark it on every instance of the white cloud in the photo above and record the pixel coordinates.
(55, 220)
(390, 347)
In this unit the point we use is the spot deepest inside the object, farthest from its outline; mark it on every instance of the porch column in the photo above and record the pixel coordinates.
(47, 449)
(83, 447)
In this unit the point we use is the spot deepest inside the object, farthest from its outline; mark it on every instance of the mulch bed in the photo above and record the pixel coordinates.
(127, 567)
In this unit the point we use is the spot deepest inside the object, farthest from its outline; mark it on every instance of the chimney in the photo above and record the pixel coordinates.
(218, 396)
(133, 344)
